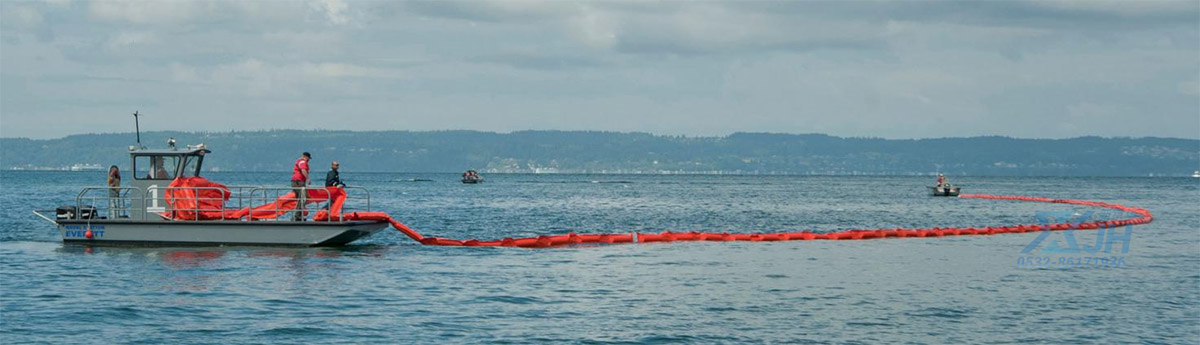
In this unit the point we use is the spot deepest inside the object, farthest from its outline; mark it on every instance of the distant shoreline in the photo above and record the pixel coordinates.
(593, 152)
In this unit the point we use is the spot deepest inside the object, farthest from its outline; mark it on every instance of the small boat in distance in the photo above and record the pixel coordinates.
(943, 187)
(471, 177)
(944, 190)
(1196, 174)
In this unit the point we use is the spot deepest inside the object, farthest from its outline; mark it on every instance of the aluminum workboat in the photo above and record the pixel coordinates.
(156, 207)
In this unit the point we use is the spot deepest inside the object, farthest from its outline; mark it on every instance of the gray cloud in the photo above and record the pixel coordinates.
(890, 69)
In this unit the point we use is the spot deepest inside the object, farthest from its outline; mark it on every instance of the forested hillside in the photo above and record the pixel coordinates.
(607, 152)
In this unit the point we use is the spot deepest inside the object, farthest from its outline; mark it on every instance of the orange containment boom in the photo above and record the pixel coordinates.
(197, 198)
(546, 241)
(200, 199)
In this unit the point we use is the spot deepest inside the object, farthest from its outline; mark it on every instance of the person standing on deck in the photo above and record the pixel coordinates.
(332, 178)
(941, 180)
(299, 182)
(114, 191)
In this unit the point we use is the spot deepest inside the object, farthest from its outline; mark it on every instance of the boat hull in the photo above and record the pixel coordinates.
(943, 191)
(217, 233)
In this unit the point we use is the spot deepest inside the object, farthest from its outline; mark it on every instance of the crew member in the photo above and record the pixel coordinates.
(332, 179)
(114, 191)
(300, 182)
(157, 170)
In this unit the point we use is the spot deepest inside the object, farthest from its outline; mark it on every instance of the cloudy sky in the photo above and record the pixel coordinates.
(888, 69)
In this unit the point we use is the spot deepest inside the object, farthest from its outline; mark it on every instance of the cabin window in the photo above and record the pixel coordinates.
(155, 167)
(191, 166)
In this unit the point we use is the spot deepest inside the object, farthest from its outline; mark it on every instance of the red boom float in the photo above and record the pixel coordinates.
(546, 241)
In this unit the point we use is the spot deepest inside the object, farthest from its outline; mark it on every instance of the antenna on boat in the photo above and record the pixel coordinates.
(138, 128)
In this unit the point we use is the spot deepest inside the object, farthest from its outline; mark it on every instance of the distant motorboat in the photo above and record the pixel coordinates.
(471, 177)
(943, 187)
(944, 190)
(1196, 174)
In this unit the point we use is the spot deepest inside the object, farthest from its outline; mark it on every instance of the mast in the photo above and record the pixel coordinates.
(138, 128)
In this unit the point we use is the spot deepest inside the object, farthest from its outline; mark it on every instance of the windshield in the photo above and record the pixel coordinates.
(191, 166)
(155, 167)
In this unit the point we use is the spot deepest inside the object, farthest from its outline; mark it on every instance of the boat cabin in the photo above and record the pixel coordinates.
(154, 169)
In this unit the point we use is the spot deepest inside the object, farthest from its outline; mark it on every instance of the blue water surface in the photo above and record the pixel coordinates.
(388, 289)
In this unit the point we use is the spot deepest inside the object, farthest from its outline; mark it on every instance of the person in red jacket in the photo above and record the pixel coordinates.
(299, 182)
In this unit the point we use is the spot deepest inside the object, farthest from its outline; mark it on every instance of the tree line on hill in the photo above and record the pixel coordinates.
(611, 152)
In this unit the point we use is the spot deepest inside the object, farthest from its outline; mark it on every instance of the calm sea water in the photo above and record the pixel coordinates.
(387, 289)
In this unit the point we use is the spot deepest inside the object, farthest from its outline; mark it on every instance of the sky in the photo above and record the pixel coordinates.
(891, 69)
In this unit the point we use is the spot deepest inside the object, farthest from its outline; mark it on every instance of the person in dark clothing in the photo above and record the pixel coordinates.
(332, 179)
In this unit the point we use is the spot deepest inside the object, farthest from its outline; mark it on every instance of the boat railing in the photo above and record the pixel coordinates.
(235, 202)
(360, 200)
(102, 203)
(99, 203)
(241, 194)
(357, 199)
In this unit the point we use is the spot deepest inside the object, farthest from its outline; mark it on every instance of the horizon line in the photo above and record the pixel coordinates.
(597, 131)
